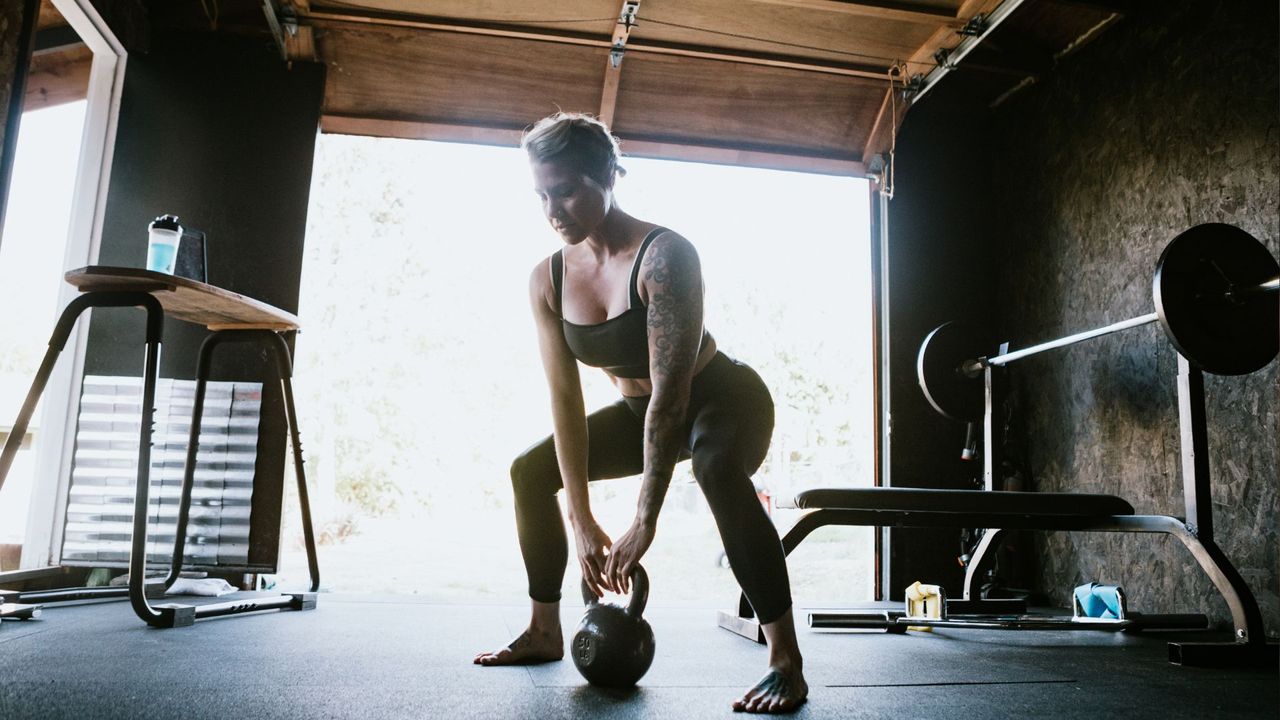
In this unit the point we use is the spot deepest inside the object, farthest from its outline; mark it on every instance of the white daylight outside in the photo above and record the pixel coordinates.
(419, 381)
(32, 254)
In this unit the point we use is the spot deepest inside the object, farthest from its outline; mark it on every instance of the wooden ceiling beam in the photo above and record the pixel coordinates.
(409, 22)
(889, 111)
(57, 77)
(613, 66)
(746, 57)
(799, 159)
(49, 16)
(354, 18)
(900, 11)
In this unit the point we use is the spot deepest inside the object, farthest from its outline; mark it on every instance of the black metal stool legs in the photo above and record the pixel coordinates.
(57, 343)
(177, 615)
(142, 491)
(304, 501)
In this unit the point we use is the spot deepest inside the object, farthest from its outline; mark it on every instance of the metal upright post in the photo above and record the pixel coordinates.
(990, 464)
(1250, 642)
(1194, 437)
(988, 429)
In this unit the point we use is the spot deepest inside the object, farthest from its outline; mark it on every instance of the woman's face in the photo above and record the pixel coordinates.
(574, 204)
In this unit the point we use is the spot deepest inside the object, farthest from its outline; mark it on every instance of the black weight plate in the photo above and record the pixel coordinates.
(1219, 335)
(938, 367)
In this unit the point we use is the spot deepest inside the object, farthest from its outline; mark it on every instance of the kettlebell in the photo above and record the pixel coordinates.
(613, 646)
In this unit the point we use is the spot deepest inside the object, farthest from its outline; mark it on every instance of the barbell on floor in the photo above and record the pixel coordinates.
(1215, 292)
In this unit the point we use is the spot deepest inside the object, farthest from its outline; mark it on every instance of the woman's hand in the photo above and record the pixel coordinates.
(592, 543)
(626, 553)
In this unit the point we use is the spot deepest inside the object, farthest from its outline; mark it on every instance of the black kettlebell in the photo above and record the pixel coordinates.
(613, 646)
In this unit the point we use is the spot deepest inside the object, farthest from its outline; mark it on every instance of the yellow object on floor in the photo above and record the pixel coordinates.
(925, 602)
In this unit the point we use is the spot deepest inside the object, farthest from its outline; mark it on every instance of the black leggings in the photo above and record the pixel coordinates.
(728, 425)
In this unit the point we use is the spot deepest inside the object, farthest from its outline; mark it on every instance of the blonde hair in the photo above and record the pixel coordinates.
(577, 139)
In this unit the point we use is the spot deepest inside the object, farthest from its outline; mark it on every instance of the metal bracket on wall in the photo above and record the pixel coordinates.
(617, 50)
(951, 57)
(976, 26)
(294, 41)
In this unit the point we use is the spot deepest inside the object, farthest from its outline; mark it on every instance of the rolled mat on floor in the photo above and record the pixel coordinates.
(1099, 601)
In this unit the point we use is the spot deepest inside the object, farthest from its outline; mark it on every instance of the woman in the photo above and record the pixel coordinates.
(625, 295)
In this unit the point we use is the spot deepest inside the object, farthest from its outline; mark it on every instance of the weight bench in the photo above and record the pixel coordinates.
(1000, 512)
(1214, 291)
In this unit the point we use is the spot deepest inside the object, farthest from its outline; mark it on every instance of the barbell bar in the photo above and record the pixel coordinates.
(973, 367)
(1215, 290)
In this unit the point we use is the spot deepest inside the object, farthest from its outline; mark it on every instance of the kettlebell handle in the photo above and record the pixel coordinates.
(639, 592)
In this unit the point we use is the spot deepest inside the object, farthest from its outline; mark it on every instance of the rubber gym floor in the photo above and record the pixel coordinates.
(394, 657)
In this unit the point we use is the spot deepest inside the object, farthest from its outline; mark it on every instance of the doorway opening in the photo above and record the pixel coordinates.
(53, 223)
(420, 381)
(35, 232)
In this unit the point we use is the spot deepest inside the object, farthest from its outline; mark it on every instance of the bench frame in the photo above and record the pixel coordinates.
(1195, 531)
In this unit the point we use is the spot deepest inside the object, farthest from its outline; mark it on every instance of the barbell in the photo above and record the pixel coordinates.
(1215, 291)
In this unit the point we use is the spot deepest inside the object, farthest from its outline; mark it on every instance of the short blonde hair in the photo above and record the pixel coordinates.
(578, 139)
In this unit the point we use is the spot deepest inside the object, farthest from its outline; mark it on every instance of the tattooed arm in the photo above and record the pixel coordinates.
(671, 276)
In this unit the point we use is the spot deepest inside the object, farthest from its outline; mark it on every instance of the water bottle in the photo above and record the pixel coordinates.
(163, 235)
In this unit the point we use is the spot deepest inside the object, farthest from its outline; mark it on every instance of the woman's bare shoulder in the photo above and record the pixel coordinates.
(541, 288)
(670, 247)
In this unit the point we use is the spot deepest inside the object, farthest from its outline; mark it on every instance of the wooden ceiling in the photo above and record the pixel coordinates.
(791, 83)
(801, 84)
(60, 63)
(796, 84)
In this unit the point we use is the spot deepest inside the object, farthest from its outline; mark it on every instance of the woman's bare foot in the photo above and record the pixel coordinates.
(779, 691)
(783, 688)
(533, 646)
(542, 642)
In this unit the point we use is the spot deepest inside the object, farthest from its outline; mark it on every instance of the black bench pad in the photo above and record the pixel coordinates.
(920, 500)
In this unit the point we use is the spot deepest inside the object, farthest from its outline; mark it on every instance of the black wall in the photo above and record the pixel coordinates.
(939, 270)
(1170, 119)
(222, 134)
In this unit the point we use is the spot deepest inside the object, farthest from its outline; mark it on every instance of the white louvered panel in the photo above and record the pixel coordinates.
(100, 506)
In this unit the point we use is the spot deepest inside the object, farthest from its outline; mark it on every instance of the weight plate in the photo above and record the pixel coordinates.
(1219, 334)
(938, 367)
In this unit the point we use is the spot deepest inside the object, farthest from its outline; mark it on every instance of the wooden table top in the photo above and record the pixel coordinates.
(188, 300)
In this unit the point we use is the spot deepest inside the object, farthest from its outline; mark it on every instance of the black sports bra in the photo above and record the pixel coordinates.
(619, 345)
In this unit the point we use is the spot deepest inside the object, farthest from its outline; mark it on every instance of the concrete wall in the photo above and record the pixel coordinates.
(1168, 120)
(221, 133)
